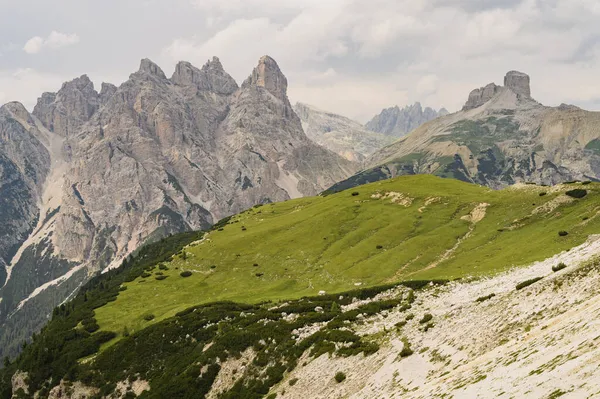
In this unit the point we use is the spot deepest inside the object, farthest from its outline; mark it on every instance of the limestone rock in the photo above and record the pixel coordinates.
(480, 96)
(66, 111)
(518, 82)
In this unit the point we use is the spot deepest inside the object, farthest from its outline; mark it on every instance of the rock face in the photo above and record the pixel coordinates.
(480, 96)
(518, 82)
(65, 112)
(89, 177)
(398, 122)
(341, 135)
(502, 136)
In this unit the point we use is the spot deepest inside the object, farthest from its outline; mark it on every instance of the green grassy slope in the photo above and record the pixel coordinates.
(342, 241)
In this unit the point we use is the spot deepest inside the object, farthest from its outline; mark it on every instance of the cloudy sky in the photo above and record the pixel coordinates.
(352, 57)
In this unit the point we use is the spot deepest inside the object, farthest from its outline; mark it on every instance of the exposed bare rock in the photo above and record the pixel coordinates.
(65, 112)
(398, 122)
(212, 77)
(106, 92)
(339, 134)
(480, 96)
(518, 82)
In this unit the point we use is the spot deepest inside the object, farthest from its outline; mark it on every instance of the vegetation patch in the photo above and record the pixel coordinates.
(485, 298)
(527, 283)
(576, 193)
(340, 377)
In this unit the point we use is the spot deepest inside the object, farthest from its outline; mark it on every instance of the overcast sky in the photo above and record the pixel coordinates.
(353, 57)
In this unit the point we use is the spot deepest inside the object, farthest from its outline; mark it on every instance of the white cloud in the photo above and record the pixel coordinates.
(54, 40)
(26, 85)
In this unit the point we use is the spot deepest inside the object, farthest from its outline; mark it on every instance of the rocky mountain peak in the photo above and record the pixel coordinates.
(151, 68)
(213, 65)
(107, 90)
(74, 104)
(18, 110)
(268, 75)
(480, 96)
(518, 82)
(211, 77)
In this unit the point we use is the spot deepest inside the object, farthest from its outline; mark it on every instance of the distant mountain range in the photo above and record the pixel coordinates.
(398, 122)
(339, 134)
(501, 136)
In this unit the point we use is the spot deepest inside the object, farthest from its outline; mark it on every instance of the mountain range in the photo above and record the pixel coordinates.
(397, 122)
(501, 136)
(88, 177)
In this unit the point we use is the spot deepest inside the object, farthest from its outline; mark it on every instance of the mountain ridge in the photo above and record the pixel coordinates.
(153, 157)
(501, 137)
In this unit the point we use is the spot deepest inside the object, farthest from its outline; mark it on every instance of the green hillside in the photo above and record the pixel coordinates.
(408, 228)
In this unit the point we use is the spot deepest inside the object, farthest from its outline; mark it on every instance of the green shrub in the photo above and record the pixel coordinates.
(185, 273)
(406, 350)
(148, 316)
(354, 194)
(293, 382)
(213, 267)
(563, 233)
(585, 218)
(426, 318)
(527, 283)
(339, 377)
(145, 275)
(485, 298)
(410, 316)
(558, 267)
(163, 267)
(577, 193)
(542, 193)
(379, 247)
(255, 265)
(259, 274)
(161, 277)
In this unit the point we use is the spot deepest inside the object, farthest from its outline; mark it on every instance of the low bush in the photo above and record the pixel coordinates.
(145, 275)
(563, 233)
(186, 273)
(379, 247)
(213, 267)
(426, 318)
(259, 274)
(558, 267)
(406, 350)
(542, 193)
(527, 283)
(577, 193)
(161, 277)
(148, 316)
(354, 194)
(339, 377)
(410, 316)
(163, 267)
(485, 298)
(293, 382)
(585, 183)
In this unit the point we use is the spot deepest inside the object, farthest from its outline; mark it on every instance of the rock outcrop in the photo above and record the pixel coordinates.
(480, 96)
(132, 164)
(339, 134)
(65, 112)
(518, 82)
(399, 122)
(501, 137)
